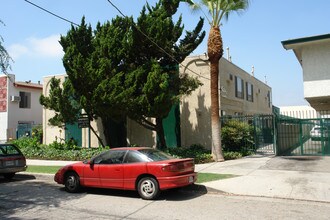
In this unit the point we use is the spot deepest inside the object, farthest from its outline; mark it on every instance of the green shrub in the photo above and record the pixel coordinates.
(27, 142)
(37, 133)
(62, 144)
(237, 136)
(61, 150)
(31, 148)
(198, 152)
(232, 155)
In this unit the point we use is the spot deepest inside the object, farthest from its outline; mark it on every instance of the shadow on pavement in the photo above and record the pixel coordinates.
(17, 177)
(24, 193)
(302, 158)
(184, 193)
(179, 194)
(299, 163)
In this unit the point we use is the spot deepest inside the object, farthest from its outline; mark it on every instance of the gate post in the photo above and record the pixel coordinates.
(301, 139)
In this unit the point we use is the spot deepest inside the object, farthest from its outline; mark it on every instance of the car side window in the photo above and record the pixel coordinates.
(110, 157)
(133, 157)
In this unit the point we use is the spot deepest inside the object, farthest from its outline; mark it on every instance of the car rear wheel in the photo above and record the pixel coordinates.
(72, 183)
(9, 176)
(148, 188)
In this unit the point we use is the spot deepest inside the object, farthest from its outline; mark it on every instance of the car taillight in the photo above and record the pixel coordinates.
(173, 167)
(178, 167)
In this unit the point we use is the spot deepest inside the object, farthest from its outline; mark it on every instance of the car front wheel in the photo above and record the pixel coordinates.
(148, 188)
(72, 183)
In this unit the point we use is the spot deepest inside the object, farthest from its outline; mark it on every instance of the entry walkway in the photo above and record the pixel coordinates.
(304, 178)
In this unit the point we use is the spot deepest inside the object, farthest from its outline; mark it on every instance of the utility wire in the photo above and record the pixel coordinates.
(49, 12)
(113, 5)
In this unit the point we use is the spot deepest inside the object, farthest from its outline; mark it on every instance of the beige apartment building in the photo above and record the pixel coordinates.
(241, 94)
(83, 136)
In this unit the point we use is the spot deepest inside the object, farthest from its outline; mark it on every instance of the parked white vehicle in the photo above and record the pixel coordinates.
(316, 132)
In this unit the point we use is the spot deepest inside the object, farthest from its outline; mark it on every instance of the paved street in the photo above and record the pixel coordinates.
(38, 197)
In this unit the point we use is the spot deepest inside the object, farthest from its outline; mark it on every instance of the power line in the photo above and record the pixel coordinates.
(49, 12)
(113, 5)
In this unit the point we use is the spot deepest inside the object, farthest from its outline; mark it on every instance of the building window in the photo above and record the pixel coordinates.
(25, 100)
(239, 87)
(269, 97)
(249, 92)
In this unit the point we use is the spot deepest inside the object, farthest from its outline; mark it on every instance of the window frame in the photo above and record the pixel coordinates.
(239, 87)
(249, 92)
(25, 101)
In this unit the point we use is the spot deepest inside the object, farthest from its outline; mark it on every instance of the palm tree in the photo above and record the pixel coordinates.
(217, 9)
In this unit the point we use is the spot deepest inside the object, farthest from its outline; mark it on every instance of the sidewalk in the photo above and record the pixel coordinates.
(48, 162)
(306, 178)
(278, 177)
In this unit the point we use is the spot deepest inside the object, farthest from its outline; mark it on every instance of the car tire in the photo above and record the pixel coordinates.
(9, 176)
(72, 182)
(148, 188)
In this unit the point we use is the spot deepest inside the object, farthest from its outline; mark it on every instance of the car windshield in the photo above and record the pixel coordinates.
(9, 150)
(155, 155)
(320, 128)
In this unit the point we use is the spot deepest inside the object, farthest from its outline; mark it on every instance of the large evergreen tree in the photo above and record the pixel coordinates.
(123, 69)
(159, 48)
(94, 64)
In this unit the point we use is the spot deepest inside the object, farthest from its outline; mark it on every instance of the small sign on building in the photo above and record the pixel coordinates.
(83, 122)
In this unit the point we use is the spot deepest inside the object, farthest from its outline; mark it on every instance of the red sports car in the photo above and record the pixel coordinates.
(146, 170)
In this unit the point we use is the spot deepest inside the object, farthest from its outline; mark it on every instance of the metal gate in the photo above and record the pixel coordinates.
(288, 135)
(295, 136)
(263, 131)
(24, 130)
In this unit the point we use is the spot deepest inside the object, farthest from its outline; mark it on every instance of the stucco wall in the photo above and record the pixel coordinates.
(50, 133)
(195, 108)
(316, 73)
(140, 136)
(14, 115)
(32, 114)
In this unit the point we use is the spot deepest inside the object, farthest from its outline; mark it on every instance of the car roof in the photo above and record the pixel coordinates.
(131, 148)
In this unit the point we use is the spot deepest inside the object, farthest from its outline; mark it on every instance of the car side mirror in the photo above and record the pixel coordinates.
(91, 162)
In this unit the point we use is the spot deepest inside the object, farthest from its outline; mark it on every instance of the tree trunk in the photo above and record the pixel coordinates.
(160, 133)
(106, 131)
(215, 52)
(97, 136)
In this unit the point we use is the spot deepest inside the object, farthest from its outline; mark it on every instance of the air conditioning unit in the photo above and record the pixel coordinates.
(15, 98)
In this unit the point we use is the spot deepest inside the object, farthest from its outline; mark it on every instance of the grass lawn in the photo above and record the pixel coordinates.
(202, 177)
(207, 177)
(43, 169)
